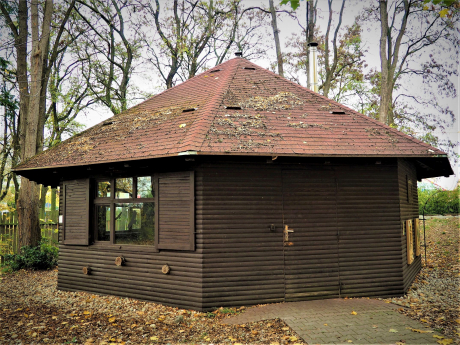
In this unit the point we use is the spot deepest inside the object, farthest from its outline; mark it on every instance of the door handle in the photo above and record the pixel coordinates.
(286, 232)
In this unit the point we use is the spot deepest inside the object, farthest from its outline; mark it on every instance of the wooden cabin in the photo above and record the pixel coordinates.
(238, 187)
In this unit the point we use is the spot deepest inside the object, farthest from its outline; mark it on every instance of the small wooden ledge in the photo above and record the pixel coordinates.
(120, 261)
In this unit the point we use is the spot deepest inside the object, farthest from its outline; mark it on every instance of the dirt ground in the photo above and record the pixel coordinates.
(32, 311)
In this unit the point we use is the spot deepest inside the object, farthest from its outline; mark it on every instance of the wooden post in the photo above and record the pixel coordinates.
(417, 236)
(409, 242)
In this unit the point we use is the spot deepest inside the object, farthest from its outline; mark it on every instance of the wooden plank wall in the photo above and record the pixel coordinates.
(243, 261)
(409, 210)
(369, 226)
(140, 277)
(238, 260)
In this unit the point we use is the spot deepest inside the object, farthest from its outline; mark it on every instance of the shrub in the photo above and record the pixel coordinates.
(42, 257)
(439, 202)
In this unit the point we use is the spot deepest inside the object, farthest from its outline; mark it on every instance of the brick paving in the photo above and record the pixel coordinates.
(332, 322)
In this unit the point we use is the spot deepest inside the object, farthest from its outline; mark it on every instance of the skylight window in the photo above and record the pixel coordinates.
(250, 68)
(233, 108)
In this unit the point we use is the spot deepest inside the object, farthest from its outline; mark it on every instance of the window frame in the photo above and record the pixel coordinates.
(111, 202)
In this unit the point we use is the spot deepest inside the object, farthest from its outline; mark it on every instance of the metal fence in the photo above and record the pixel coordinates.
(9, 235)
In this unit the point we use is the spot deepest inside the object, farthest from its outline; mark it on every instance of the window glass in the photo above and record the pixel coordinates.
(103, 189)
(135, 223)
(124, 188)
(145, 187)
(103, 222)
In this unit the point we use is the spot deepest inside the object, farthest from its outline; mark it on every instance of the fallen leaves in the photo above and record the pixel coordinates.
(79, 317)
(434, 296)
(420, 330)
(392, 330)
(354, 313)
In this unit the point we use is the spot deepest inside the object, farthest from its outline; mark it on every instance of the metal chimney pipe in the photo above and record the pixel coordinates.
(313, 82)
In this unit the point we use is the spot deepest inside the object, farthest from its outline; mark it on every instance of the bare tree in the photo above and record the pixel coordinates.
(408, 29)
(108, 50)
(279, 55)
(32, 94)
(331, 66)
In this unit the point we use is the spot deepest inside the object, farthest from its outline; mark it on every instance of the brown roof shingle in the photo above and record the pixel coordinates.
(234, 108)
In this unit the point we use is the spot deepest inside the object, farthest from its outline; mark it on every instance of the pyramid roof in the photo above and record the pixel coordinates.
(235, 108)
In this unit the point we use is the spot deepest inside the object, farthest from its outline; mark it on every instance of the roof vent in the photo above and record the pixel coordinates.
(251, 68)
(188, 110)
(233, 108)
(215, 70)
(239, 54)
(107, 123)
(337, 112)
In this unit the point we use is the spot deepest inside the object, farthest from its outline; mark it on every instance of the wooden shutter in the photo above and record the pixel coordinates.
(76, 212)
(417, 236)
(409, 242)
(175, 211)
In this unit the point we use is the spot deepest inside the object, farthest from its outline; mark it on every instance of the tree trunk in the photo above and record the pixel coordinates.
(21, 72)
(28, 201)
(384, 61)
(279, 56)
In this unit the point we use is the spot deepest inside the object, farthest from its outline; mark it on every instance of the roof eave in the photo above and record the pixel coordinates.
(18, 170)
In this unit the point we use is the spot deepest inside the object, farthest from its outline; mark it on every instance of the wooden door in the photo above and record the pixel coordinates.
(310, 234)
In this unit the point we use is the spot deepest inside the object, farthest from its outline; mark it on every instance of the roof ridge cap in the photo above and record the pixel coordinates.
(188, 144)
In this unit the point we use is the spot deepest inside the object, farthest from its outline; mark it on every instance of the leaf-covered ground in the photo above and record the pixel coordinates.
(434, 297)
(33, 311)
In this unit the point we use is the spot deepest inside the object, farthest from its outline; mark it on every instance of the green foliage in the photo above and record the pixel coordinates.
(294, 3)
(227, 311)
(42, 257)
(439, 202)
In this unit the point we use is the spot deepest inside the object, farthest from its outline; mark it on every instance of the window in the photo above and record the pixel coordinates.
(125, 211)
(156, 211)
(409, 189)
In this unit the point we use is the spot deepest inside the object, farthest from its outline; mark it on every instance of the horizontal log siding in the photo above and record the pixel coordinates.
(409, 210)
(140, 277)
(368, 222)
(243, 259)
(311, 254)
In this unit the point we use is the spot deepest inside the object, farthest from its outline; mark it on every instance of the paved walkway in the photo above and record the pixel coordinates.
(332, 322)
